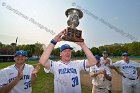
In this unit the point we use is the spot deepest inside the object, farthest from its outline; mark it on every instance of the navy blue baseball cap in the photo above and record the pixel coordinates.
(65, 46)
(97, 57)
(21, 52)
(125, 54)
(104, 52)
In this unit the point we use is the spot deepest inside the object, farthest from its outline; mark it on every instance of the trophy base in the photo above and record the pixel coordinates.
(71, 39)
(73, 35)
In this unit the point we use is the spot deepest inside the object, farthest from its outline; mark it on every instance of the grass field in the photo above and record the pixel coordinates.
(45, 84)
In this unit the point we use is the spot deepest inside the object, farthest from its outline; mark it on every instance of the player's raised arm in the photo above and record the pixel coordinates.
(91, 59)
(44, 59)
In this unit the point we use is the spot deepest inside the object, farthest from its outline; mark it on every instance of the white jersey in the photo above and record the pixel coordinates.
(102, 61)
(99, 81)
(8, 74)
(128, 69)
(67, 76)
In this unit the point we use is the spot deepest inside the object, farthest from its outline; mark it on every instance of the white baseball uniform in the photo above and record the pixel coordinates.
(10, 73)
(130, 78)
(102, 61)
(67, 76)
(99, 81)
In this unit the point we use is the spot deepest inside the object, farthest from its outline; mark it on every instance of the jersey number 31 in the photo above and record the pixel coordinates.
(75, 81)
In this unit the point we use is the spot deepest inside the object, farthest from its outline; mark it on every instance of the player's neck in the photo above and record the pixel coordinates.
(105, 58)
(127, 61)
(65, 61)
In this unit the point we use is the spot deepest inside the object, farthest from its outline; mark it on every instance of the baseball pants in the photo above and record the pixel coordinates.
(129, 85)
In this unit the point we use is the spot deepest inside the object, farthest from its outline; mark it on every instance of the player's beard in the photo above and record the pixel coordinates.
(20, 62)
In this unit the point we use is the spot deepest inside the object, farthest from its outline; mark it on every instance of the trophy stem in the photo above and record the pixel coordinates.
(73, 26)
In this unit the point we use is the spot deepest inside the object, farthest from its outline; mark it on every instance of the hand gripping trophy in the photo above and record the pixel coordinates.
(71, 33)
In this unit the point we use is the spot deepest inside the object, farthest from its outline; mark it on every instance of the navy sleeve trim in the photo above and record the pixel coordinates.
(84, 64)
(51, 63)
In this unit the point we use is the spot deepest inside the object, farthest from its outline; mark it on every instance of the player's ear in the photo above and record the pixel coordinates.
(14, 58)
(26, 58)
(60, 54)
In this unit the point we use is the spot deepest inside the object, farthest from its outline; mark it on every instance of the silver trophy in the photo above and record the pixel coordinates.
(72, 34)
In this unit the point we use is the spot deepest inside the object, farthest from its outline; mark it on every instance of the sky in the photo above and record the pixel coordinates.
(104, 22)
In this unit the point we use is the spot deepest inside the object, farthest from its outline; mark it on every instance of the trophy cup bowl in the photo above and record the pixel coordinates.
(72, 34)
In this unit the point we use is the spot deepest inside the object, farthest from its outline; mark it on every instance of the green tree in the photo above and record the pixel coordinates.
(38, 49)
(55, 53)
(95, 51)
(134, 48)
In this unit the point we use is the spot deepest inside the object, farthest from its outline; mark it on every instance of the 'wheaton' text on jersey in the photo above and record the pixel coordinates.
(24, 77)
(67, 70)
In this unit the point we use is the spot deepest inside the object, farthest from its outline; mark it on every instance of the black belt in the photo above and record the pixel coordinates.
(130, 78)
(101, 88)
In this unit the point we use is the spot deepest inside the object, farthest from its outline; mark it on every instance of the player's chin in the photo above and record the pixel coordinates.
(68, 58)
(20, 62)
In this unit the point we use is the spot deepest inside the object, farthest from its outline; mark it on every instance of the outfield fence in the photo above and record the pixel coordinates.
(120, 56)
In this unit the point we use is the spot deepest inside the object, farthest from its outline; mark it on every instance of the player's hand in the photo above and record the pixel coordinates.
(36, 69)
(80, 43)
(20, 72)
(107, 62)
(103, 71)
(121, 73)
(59, 36)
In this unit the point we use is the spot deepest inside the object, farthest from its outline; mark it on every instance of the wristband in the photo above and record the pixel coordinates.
(53, 41)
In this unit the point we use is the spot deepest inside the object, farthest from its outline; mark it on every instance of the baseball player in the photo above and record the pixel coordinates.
(128, 68)
(66, 72)
(18, 78)
(106, 61)
(101, 75)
